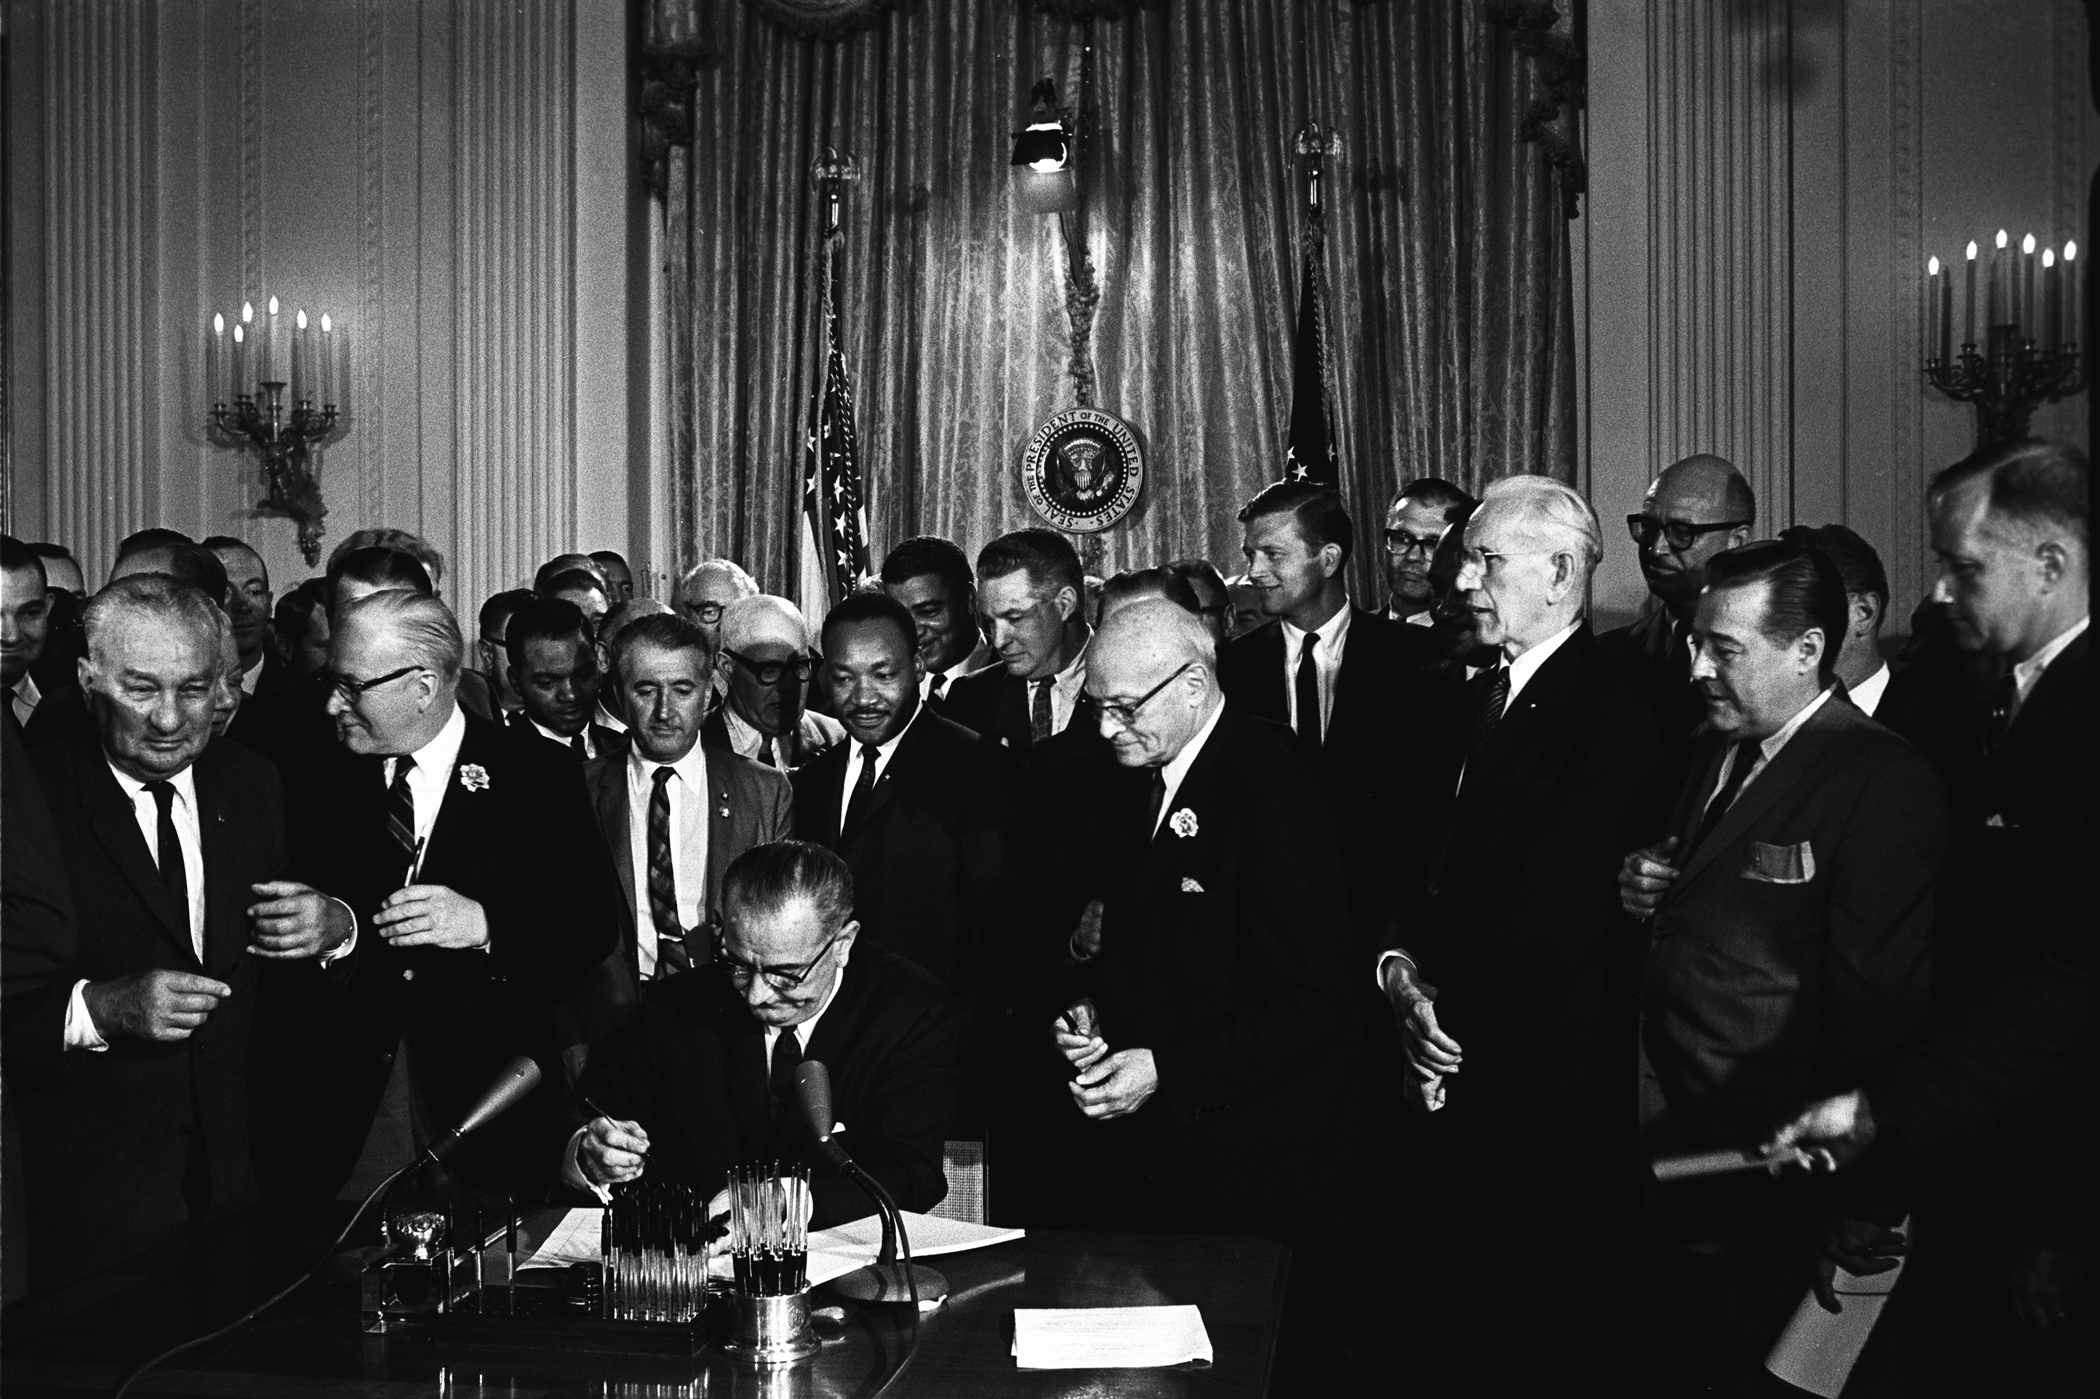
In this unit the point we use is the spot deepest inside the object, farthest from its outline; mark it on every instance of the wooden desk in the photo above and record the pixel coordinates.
(83, 1339)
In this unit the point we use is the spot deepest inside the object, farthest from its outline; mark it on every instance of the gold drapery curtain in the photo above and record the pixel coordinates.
(1447, 261)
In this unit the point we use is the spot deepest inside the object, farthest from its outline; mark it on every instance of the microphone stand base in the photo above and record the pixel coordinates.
(885, 1282)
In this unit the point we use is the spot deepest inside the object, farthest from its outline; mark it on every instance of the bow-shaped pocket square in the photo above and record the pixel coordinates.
(1190, 886)
(1780, 864)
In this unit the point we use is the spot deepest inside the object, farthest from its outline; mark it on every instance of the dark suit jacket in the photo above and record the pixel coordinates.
(107, 1137)
(608, 742)
(693, 1072)
(1370, 727)
(1518, 923)
(994, 703)
(1226, 955)
(1658, 667)
(1792, 955)
(751, 805)
(527, 848)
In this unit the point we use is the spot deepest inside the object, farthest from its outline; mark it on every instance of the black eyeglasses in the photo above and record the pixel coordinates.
(1680, 534)
(1126, 714)
(1398, 542)
(781, 979)
(355, 690)
(772, 672)
(708, 612)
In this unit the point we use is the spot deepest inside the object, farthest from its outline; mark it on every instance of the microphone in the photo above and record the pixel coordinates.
(519, 1077)
(884, 1280)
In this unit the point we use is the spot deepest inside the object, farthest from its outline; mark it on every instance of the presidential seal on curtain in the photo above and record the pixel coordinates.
(1083, 470)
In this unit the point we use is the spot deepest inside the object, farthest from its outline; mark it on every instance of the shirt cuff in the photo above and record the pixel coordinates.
(1393, 955)
(572, 1168)
(349, 944)
(80, 1026)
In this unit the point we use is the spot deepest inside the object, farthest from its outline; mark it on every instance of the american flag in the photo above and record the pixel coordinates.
(834, 513)
(1310, 452)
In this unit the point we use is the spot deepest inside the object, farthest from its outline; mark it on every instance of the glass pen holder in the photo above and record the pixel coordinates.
(656, 1251)
(769, 1209)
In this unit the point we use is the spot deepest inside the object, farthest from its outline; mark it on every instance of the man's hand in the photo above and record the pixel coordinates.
(158, 1005)
(293, 921)
(1645, 877)
(1432, 1052)
(1079, 1035)
(1859, 1246)
(1117, 1086)
(2048, 1286)
(1085, 942)
(612, 1151)
(1835, 1132)
(430, 915)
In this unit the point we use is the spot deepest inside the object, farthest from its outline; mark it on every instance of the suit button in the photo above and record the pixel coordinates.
(408, 973)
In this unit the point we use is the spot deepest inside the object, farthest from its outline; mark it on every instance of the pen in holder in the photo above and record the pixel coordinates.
(769, 1206)
(655, 1247)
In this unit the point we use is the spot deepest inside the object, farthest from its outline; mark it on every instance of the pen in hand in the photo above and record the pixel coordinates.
(597, 1111)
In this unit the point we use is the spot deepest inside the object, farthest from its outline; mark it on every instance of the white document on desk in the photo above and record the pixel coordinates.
(1817, 1350)
(576, 1239)
(1108, 1338)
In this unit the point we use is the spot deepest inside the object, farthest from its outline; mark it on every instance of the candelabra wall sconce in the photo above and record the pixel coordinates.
(2025, 357)
(247, 376)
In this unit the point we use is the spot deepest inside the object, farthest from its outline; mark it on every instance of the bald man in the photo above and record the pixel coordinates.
(1216, 1040)
(763, 665)
(1695, 509)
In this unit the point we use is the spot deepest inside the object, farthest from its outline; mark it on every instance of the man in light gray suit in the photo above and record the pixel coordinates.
(675, 814)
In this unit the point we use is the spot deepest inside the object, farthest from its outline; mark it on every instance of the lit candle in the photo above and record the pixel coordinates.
(299, 364)
(2052, 301)
(269, 347)
(2027, 285)
(244, 355)
(1932, 308)
(215, 360)
(327, 361)
(2074, 309)
(1969, 314)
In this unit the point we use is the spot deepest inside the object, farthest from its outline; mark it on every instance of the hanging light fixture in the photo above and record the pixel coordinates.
(1043, 154)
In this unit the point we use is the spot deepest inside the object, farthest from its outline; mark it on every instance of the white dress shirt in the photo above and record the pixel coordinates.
(883, 753)
(1766, 751)
(689, 799)
(2028, 673)
(431, 777)
(602, 715)
(1065, 687)
(80, 1029)
(1412, 619)
(590, 741)
(253, 674)
(1327, 662)
(1177, 768)
(27, 698)
(1866, 695)
(935, 686)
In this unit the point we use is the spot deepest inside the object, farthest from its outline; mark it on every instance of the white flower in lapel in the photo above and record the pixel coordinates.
(474, 777)
(1183, 823)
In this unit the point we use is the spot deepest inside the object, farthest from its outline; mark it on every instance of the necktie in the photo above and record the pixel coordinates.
(1039, 716)
(1308, 691)
(863, 786)
(579, 747)
(1156, 800)
(1738, 773)
(1490, 698)
(2005, 706)
(172, 872)
(780, 1078)
(765, 752)
(671, 954)
(938, 686)
(401, 814)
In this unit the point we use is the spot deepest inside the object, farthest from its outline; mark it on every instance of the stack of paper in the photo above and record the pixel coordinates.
(1103, 1338)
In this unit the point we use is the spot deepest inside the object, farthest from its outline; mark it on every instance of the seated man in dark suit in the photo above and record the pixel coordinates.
(1694, 510)
(554, 671)
(132, 1060)
(1789, 950)
(676, 814)
(705, 1080)
(932, 578)
(1331, 673)
(483, 894)
(1031, 595)
(762, 667)
(920, 808)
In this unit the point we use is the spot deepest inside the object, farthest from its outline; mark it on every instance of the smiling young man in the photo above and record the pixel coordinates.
(1790, 946)
(554, 670)
(705, 1081)
(932, 578)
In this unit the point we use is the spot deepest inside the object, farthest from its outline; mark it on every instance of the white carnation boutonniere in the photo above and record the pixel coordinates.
(1183, 823)
(474, 777)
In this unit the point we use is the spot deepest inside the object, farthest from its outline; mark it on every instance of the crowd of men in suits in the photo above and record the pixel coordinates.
(1405, 936)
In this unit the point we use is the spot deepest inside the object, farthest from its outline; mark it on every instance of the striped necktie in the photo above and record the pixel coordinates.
(401, 814)
(671, 953)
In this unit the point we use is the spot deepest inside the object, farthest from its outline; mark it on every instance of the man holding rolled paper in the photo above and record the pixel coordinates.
(704, 1080)
(1789, 949)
